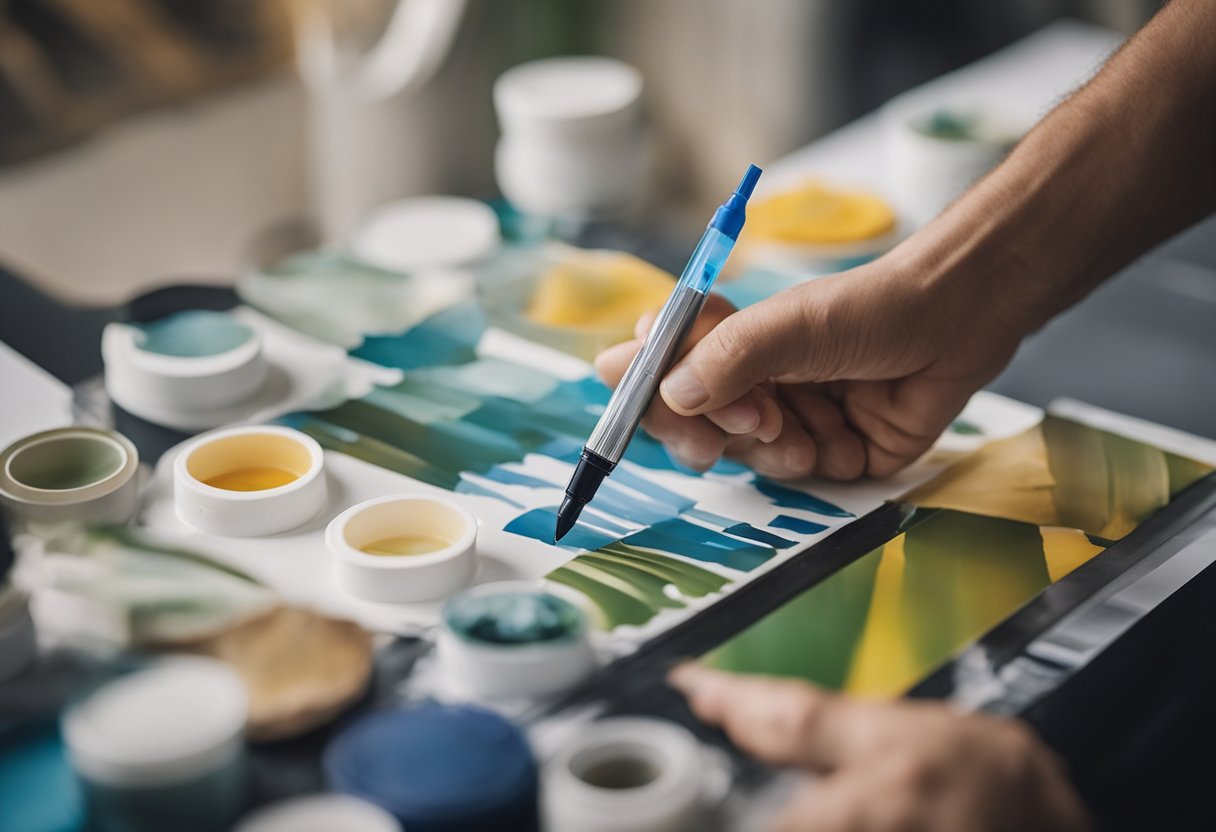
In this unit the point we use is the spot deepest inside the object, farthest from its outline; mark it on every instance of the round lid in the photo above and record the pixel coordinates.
(176, 719)
(437, 764)
(567, 89)
(426, 232)
(320, 813)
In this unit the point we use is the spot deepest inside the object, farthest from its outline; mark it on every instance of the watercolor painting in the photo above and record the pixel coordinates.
(494, 428)
(986, 536)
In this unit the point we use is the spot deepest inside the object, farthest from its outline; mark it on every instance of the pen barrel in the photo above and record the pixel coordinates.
(632, 396)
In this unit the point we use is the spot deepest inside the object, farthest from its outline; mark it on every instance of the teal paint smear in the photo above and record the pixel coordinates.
(783, 497)
(756, 285)
(446, 338)
(679, 537)
(507, 476)
(759, 535)
(194, 333)
(468, 487)
(708, 517)
(540, 524)
(678, 502)
(598, 520)
(38, 790)
(964, 428)
(796, 524)
(464, 423)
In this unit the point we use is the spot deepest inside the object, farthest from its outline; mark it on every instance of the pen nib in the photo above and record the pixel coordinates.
(567, 516)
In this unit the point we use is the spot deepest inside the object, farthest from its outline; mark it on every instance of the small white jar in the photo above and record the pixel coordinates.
(249, 513)
(162, 748)
(404, 578)
(506, 669)
(320, 813)
(928, 169)
(184, 392)
(626, 774)
(573, 143)
(78, 474)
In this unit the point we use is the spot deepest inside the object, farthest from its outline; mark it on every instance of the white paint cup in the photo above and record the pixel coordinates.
(626, 773)
(253, 513)
(78, 474)
(927, 170)
(404, 578)
(497, 670)
(182, 392)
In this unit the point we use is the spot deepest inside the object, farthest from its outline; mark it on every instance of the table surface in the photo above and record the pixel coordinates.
(1141, 345)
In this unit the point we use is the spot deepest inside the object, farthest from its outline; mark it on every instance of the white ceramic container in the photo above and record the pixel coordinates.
(433, 575)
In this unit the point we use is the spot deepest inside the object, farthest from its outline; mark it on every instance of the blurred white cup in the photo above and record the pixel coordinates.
(935, 152)
(573, 143)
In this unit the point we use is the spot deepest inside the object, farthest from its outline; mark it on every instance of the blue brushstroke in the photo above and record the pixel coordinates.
(469, 487)
(796, 524)
(448, 337)
(708, 517)
(783, 497)
(540, 523)
(679, 537)
(506, 476)
(759, 535)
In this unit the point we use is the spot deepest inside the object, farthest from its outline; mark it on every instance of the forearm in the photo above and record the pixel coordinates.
(1127, 161)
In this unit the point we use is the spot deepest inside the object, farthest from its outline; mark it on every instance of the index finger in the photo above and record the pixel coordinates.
(611, 364)
(781, 721)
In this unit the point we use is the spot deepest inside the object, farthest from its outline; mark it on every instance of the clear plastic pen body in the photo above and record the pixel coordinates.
(632, 396)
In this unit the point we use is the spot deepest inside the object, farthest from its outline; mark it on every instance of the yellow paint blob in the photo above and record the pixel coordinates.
(256, 478)
(406, 544)
(819, 215)
(598, 290)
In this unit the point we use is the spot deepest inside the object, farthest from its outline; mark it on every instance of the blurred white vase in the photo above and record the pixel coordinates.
(574, 145)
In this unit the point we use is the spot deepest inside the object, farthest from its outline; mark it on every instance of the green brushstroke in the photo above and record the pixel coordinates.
(812, 637)
(645, 585)
(629, 585)
(964, 428)
(692, 581)
(616, 608)
(961, 575)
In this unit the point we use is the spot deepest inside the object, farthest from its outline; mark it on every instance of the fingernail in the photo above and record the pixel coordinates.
(738, 417)
(683, 389)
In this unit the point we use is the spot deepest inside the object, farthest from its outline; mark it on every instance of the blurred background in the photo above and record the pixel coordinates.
(146, 140)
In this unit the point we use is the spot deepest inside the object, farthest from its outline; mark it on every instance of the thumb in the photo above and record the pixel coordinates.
(745, 349)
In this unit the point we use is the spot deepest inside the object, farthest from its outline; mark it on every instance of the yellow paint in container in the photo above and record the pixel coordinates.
(254, 478)
(817, 214)
(406, 545)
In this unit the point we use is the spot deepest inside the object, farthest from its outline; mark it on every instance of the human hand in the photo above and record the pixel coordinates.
(888, 765)
(848, 375)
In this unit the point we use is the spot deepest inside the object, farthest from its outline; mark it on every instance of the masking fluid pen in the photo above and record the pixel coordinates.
(632, 396)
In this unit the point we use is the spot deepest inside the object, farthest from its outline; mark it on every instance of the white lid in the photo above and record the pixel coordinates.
(320, 813)
(179, 718)
(567, 89)
(426, 232)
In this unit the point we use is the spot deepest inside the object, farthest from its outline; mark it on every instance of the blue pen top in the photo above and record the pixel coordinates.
(730, 216)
